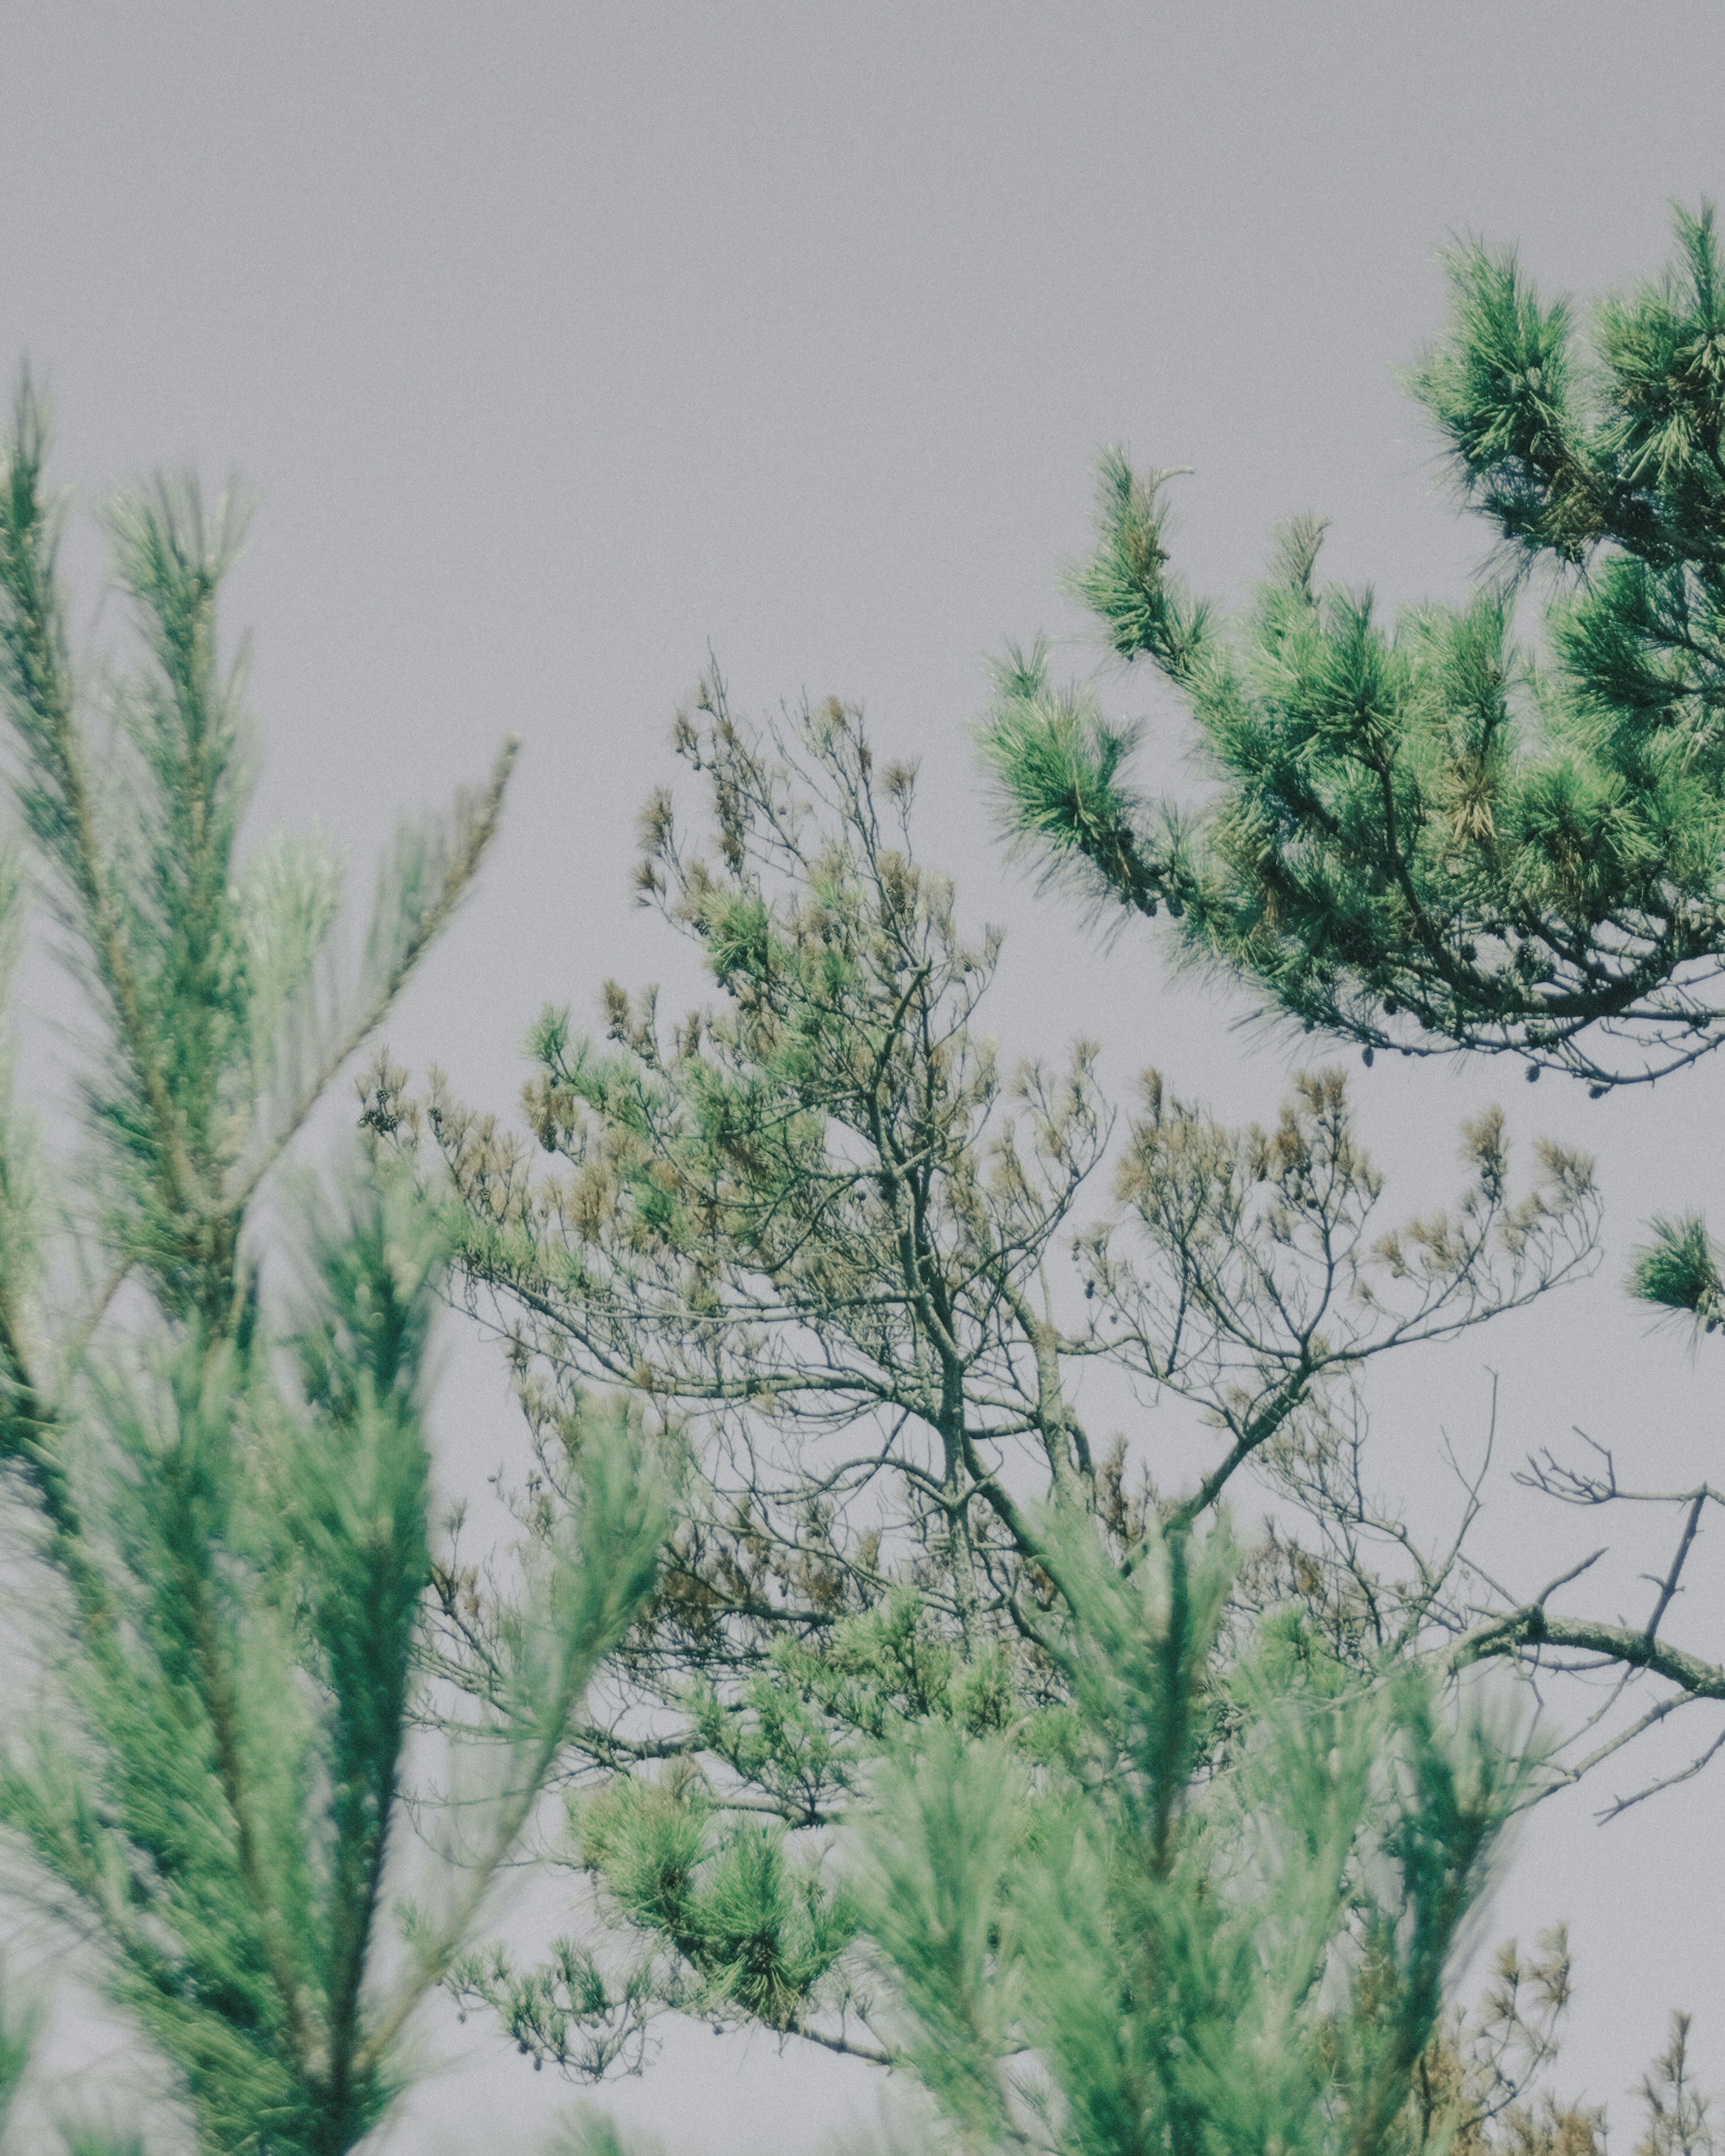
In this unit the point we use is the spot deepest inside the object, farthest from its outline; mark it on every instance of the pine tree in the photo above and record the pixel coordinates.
(1423, 837)
(213, 1388)
(855, 1269)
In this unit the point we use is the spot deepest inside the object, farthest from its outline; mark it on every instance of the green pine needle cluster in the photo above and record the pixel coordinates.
(1422, 836)
(1145, 1950)
(216, 1454)
(1679, 1271)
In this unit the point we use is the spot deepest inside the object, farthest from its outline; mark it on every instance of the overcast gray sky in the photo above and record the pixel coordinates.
(561, 340)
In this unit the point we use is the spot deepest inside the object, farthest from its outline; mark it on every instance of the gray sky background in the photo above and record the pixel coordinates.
(561, 340)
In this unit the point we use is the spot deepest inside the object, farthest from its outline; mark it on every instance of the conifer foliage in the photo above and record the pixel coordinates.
(1145, 1941)
(1424, 837)
(858, 1270)
(211, 1419)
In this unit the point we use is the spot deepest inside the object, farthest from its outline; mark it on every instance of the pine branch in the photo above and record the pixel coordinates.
(1532, 1627)
(41, 699)
(403, 928)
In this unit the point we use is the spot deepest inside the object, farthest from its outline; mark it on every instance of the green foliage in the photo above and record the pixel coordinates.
(222, 1814)
(1679, 1271)
(1421, 838)
(21, 1195)
(18, 2029)
(225, 1807)
(855, 1272)
(229, 1496)
(757, 1930)
(219, 1032)
(1060, 764)
(1144, 1951)
(588, 2133)
(1124, 581)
